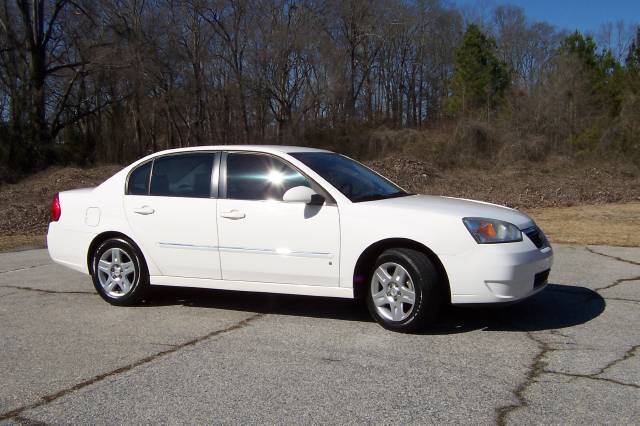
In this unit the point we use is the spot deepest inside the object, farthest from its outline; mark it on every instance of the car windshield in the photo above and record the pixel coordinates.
(354, 180)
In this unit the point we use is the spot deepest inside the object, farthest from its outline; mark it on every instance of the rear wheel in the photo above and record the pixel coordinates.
(119, 273)
(405, 291)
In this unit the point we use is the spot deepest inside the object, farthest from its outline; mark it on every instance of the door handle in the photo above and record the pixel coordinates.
(144, 210)
(233, 214)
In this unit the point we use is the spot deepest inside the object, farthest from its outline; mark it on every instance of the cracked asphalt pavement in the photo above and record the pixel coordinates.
(569, 355)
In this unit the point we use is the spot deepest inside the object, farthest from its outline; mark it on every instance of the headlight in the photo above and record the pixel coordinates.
(491, 231)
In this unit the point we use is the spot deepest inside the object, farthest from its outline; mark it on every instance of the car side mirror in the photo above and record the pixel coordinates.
(303, 194)
(317, 200)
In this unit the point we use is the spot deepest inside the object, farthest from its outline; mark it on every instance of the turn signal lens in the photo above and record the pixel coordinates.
(56, 210)
(488, 231)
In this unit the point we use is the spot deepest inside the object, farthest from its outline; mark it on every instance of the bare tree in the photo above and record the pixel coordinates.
(112, 80)
(616, 37)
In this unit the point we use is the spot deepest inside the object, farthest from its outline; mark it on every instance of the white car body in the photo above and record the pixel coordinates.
(289, 247)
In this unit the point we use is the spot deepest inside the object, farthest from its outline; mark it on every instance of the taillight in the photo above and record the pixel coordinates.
(56, 210)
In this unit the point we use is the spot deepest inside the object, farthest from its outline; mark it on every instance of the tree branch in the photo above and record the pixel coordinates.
(60, 67)
(61, 125)
(59, 5)
(64, 99)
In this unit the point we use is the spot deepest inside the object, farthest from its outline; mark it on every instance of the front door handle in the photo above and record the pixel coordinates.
(233, 214)
(144, 210)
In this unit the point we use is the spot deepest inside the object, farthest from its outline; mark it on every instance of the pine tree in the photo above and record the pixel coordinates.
(584, 48)
(604, 71)
(480, 79)
(633, 56)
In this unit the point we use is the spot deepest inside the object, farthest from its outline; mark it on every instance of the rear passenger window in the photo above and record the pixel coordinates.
(260, 177)
(187, 175)
(139, 180)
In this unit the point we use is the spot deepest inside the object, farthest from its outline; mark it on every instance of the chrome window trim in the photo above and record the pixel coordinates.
(267, 251)
(215, 174)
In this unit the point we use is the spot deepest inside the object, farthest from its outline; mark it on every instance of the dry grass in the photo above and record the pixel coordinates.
(607, 224)
(17, 242)
(604, 224)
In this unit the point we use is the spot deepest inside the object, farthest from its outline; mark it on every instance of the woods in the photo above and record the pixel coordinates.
(108, 81)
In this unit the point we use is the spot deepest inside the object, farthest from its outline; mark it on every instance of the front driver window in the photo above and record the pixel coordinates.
(260, 177)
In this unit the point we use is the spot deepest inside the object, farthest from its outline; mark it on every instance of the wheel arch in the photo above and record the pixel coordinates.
(104, 236)
(365, 262)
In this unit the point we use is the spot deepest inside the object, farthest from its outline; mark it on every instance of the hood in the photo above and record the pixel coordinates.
(458, 207)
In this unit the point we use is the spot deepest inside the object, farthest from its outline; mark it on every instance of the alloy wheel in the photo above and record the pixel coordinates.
(393, 292)
(116, 272)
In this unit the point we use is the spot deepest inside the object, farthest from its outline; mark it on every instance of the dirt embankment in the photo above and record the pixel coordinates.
(584, 194)
(525, 186)
(25, 207)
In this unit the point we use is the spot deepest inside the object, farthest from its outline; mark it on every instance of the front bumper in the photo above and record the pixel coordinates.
(498, 273)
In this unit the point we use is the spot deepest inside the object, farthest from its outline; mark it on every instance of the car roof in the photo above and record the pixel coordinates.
(259, 148)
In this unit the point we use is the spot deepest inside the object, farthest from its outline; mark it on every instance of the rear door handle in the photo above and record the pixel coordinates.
(144, 210)
(233, 214)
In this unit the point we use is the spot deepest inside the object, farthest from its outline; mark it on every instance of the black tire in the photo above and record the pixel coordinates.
(427, 285)
(137, 281)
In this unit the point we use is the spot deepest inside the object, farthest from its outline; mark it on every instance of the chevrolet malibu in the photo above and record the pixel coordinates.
(294, 220)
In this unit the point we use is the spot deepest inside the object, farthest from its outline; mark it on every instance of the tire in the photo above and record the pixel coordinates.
(123, 280)
(389, 303)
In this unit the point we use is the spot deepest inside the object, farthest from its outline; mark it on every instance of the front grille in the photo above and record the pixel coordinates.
(541, 278)
(536, 235)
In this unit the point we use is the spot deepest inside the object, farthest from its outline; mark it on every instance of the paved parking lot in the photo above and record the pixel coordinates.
(571, 354)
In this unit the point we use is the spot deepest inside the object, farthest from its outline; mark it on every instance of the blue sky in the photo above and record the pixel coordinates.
(583, 15)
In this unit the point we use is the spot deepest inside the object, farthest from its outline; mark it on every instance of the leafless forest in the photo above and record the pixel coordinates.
(107, 81)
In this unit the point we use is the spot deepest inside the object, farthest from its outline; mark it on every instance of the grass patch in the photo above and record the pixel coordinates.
(606, 224)
(18, 242)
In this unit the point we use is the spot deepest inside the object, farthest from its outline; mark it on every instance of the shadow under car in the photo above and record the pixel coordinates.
(557, 306)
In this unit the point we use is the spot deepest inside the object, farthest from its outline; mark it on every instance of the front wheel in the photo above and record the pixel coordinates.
(119, 273)
(405, 292)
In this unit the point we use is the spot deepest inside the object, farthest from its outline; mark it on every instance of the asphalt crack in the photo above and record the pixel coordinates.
(40, 290)
(26, 268)
(628, 354)
(537, 368)
(15, 413)
(534, 370)
(631, 262)
(25, 421)
(9, 294)
(622, 299)
(617, 282)
(592, 377)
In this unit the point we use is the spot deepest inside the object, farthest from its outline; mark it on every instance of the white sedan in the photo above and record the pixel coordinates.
(294, 220)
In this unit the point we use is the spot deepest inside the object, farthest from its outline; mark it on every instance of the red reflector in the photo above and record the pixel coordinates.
(56, 210)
